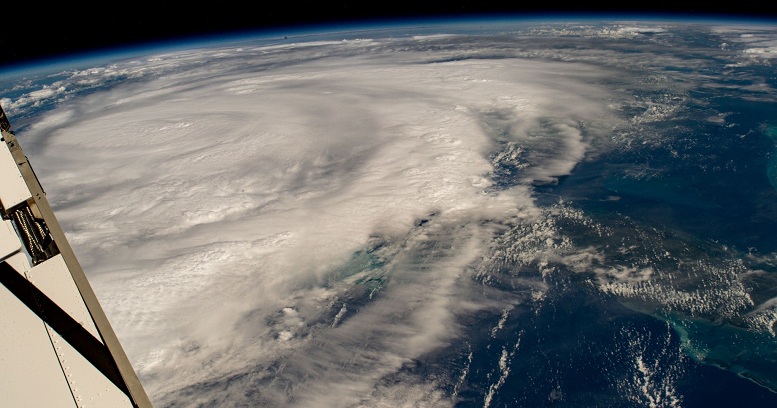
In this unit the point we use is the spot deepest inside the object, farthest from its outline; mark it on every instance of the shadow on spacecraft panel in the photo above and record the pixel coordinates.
(57, 347)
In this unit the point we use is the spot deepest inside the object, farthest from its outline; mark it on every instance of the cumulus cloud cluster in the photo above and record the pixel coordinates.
(293, 224)
(215, 214)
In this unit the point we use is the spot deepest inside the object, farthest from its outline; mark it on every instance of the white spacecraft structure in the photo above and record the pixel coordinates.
(57, 348)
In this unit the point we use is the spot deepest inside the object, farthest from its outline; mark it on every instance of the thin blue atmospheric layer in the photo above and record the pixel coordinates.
(697, 187)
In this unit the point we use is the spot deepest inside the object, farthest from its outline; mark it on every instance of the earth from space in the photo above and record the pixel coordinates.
(470, 213)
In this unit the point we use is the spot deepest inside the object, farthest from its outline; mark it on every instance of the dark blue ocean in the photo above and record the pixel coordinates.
(654, 289)
(708, 191)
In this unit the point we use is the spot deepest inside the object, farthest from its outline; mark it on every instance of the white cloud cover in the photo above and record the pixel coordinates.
(215, 214)
(295, 224)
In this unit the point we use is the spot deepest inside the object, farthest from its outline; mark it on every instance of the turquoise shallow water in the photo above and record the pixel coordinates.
(699, 211)
(750, 355)
(679, 217)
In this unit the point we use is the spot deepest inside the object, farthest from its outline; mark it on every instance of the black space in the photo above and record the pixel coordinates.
(34, 30)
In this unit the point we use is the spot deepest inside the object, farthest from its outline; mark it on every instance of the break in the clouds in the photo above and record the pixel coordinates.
(295, 225)
(217, 215)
